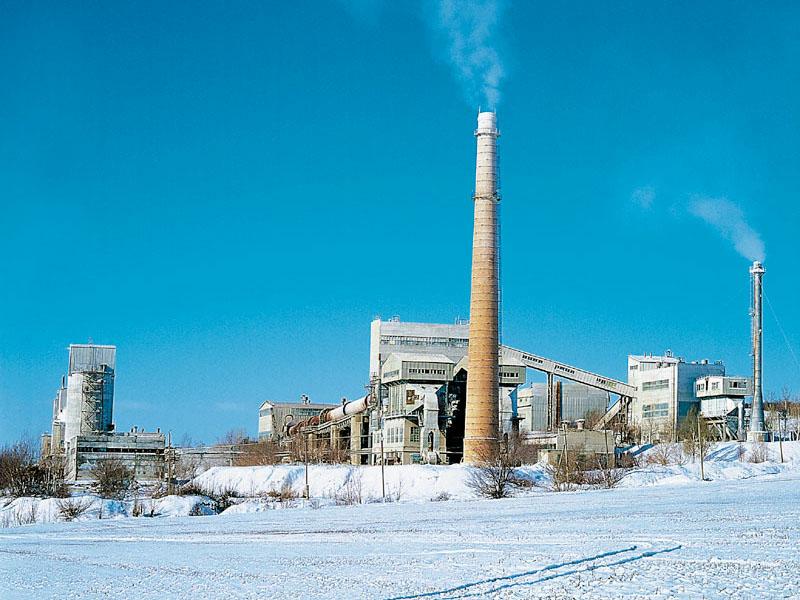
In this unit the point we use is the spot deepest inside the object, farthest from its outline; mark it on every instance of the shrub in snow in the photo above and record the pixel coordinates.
(190, 489)
(112, 479)
(352, 491)
(283, 494)
(24, 514)
(759, 453)
(70, 509)
(224, 499)
(665, 455)
(495, 474)
(441, 497)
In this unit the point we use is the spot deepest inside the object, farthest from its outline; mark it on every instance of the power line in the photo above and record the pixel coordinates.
(783, 333)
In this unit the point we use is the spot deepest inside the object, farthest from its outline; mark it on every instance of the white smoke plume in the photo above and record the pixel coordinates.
(729, 221)
(468, 29)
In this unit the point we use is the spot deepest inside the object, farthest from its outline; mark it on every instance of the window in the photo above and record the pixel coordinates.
(655, 411)
(715, 385)
(414, 436)
(661, 384)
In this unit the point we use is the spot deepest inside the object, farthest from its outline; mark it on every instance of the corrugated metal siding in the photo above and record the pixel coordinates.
(90, 357)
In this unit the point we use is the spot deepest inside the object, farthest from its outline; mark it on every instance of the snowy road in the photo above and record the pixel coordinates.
(725, 539)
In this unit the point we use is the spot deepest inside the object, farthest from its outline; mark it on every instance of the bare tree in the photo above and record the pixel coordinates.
(234, 437)
(666, 454)
(22, 475)
(592, 418)
(495, 474)
(112, 479)
(264, 452)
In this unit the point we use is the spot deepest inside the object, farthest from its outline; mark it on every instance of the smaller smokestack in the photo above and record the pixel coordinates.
(756, 432)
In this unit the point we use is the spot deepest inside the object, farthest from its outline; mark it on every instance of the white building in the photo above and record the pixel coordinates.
(84, 404)
(395, 335)
(722, 401)
(665, 392)
(83, 427)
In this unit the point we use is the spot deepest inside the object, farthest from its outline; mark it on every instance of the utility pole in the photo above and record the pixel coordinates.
(306, 493)
(170, 465)
(376, 387)
(701, 449)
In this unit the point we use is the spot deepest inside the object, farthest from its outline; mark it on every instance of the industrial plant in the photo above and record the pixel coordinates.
(443, 393)
(83, 435)
(447, 393)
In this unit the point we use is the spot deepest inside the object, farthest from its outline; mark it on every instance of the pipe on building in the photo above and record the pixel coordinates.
(346, 409)
(482, 419)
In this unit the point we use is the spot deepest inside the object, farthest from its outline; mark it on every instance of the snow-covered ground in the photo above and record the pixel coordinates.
(663, 534)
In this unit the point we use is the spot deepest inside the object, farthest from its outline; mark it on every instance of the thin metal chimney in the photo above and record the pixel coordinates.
(757, 432)
(481, 428)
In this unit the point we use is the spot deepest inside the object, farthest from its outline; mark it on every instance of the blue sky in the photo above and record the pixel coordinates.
(230, 192)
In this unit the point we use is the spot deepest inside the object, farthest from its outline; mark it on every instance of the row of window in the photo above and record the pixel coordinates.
(701, 387)
(427, 371)
(404, 340)
(660, 384)
(654, 411)
(395, 434)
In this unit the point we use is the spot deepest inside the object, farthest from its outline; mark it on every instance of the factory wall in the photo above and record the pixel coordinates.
(577, 402)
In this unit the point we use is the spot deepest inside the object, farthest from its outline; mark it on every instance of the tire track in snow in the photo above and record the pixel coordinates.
(467, 586)
(584, 568)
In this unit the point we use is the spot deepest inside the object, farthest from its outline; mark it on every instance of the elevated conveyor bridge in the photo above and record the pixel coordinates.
(555, 369)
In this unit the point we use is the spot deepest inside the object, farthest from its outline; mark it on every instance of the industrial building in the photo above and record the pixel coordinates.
(423, 407)
(394, 335)
(82, 431)
(84, 403)
(722, 404)
(665, 392)
(574, 401)
(274, 416)
(442, 393)
(141, 451)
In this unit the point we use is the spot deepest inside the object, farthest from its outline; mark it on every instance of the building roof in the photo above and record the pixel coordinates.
(667, 359)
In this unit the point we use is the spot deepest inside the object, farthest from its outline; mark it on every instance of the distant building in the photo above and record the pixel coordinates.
(665, 392)
(85, 401)
(83, 428)
(578, 402)
(722, 403)
(273, 416)
(141, 451)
